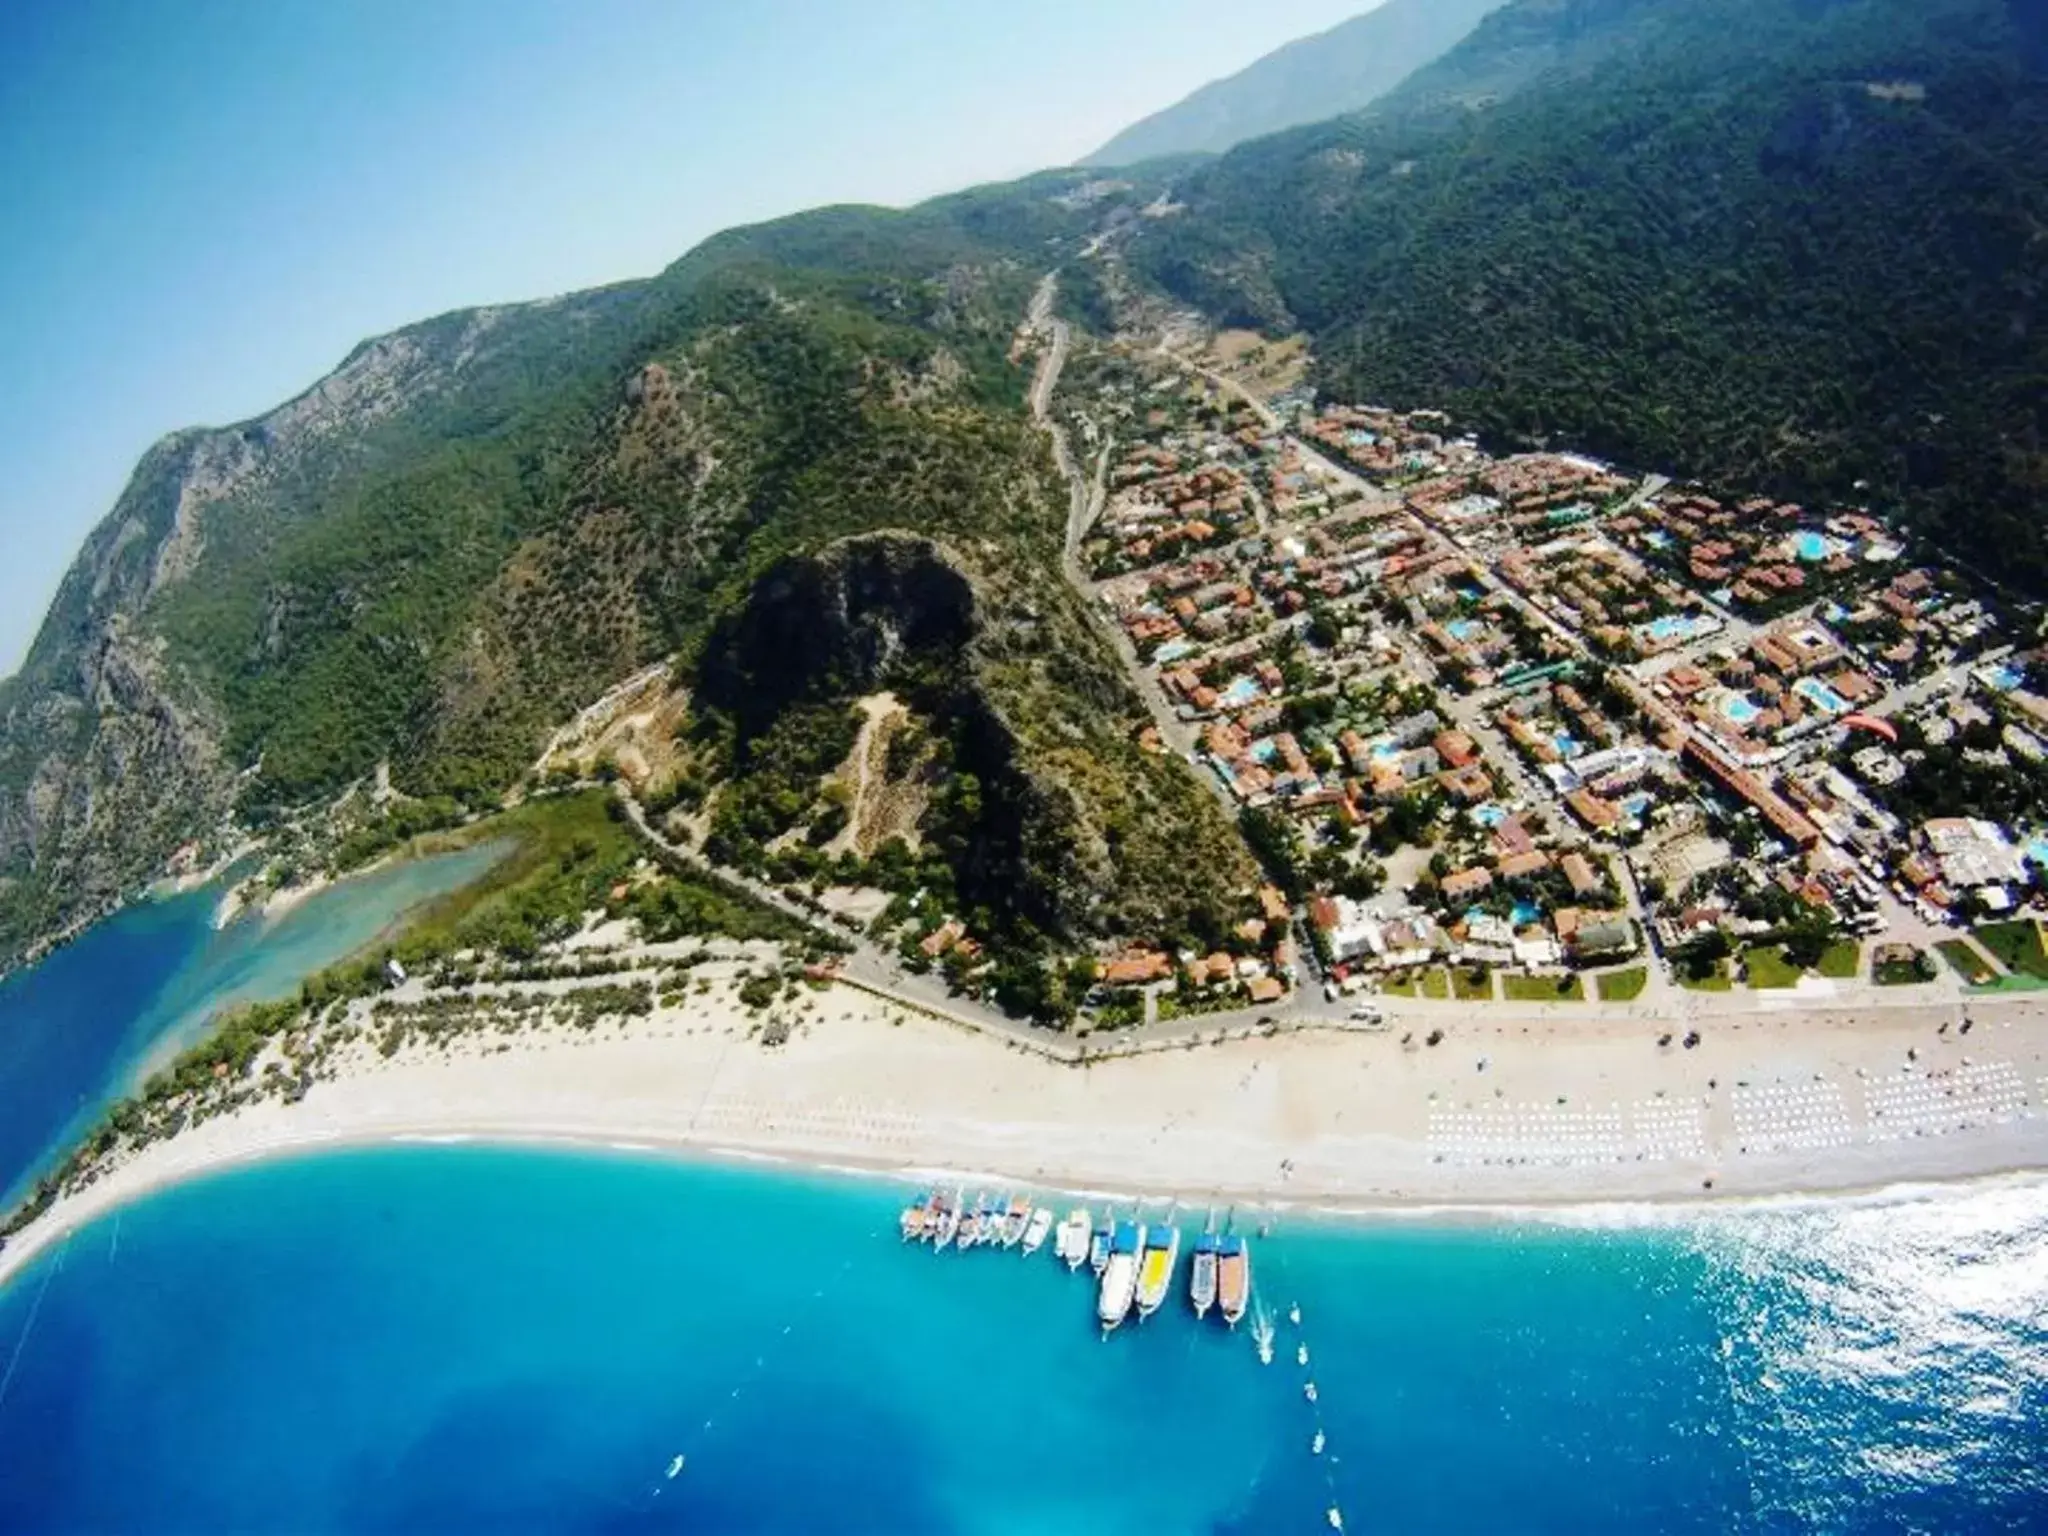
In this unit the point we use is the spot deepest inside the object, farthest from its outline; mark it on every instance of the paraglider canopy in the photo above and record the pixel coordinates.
(1875, 726)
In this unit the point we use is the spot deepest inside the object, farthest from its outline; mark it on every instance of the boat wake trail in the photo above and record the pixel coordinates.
(28, 1327)
(684, 1458)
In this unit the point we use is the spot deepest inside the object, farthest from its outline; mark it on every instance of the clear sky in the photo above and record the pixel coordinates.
(205, 203)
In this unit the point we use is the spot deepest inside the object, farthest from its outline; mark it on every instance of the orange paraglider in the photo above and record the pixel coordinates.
(1874, 725)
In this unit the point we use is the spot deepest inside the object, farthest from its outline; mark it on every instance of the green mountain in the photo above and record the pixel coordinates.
(476, 525)
(1794, 244)
(1790, 244)
(1305, 81)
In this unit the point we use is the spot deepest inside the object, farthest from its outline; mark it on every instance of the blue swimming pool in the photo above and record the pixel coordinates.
(1737, 709)
(1678, 627)
(1812, 546)
(1463, 629)
(2003, 678)
(1489, 815)
(1242, 691)
(1638, 803)
(1172, 651)
(1821, 694)
(1567, 744)
(1525, 913)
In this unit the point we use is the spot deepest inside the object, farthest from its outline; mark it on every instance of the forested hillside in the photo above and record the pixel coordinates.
(478, 524)
(1797, 244)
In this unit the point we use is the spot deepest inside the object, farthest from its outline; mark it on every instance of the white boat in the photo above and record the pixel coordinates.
(1120, 1275)
(1098, 1245)
(675, 1466)
(1301, 1354)
(1015, 1221)
(1336, 1520)
(1309, 1391)
(949, 1223)
(974, 1224)
(1202, 1275)
(1294, 1314)
(1315, 1446)
(1039, 1228)
(1073, 1238)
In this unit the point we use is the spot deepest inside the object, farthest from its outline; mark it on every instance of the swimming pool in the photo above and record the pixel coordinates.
(1567, 744)
(1242, 691)
(1462, 630)
(1679, 627)
(1489, 815)
(1172, 651)
(1638, 803)
(1525, 913)
(2002, 678)
(1657, 538)
(1820, 693)
(1814, 547)
(1737, 709)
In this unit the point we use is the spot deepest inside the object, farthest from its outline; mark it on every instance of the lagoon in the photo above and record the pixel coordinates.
(79, 1029)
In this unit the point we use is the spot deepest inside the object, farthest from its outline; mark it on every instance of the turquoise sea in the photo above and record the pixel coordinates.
(461, 1338)
(455, 1338)
(78, 1030)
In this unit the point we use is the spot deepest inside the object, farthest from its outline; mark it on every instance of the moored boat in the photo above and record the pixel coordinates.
(913, 1221)
(1039, 1228)
(1233, 1276)
(1098, 1245)
(1155, 1272)
(1015, 1220)
(1120, 1274)
(1073, 1238)
(973, 1224)
(1202, 1275)
(949, 1222)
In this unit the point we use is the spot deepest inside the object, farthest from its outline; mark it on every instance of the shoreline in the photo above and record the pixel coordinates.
(1579, 1212)
(1322, 1126)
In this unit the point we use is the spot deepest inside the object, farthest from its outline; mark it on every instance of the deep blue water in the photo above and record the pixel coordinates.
(76, 1030)
(468, 1338)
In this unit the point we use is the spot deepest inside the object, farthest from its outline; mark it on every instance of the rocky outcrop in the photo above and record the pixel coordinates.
(1066, 832)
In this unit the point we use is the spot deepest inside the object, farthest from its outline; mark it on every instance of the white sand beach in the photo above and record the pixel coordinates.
(1507, 1109)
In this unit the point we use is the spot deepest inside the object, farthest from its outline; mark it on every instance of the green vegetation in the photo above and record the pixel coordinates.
(2015, 945)
(1904, 971)
(518, 507)
(1568, 988)
(1691, 237)
(1435, 983)
(1622, 986)
(1710, 977)
(1963, 959)
(567, 855)
(1767, 966)
(1472, 984)
(1841, 960)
